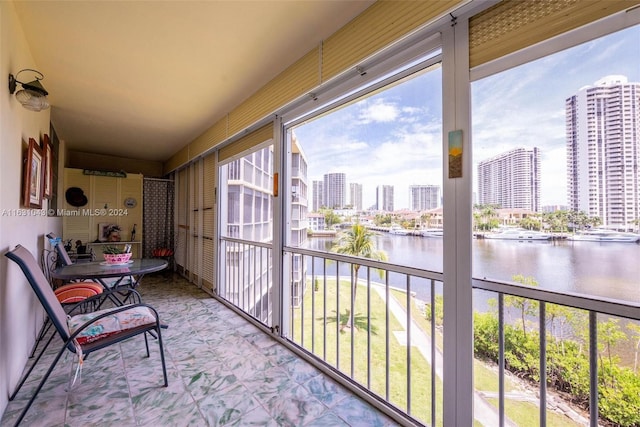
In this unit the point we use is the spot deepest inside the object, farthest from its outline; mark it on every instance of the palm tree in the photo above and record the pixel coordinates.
(357, 241)
(426, 217)
(487, 218)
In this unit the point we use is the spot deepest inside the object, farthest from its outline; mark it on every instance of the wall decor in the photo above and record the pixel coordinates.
(130, 202)
(33, 179)
(47, 151)
(455, 154)
(109, 232)
(75, 197)
(120, 174)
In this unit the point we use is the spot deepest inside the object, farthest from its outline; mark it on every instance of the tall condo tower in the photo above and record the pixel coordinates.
(603, 150)
(511, 180)
(384, 198)
(424, 197)
(318, 195)
(335, 190)
(355, 193)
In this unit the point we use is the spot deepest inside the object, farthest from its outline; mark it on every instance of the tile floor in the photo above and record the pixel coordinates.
(222, 371)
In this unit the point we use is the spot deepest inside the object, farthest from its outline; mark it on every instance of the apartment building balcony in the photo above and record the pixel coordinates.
(226, 367)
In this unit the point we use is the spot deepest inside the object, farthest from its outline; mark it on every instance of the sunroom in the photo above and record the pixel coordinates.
(390, 131)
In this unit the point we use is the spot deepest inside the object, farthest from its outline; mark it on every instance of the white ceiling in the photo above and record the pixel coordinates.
(141, 79)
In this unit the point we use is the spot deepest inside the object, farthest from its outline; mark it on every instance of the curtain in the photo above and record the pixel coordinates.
(158, 215)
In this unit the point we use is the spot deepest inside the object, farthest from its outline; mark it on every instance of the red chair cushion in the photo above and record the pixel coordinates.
(76, 292)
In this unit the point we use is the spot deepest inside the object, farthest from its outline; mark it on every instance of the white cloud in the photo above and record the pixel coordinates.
(395, 136)
(378, 111)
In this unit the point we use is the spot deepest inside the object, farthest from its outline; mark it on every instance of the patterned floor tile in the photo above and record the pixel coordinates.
(294, 406)
(222, 370)
(328, 419)
(256, 418)
(225, 408)
(326, 390)
(357, 413)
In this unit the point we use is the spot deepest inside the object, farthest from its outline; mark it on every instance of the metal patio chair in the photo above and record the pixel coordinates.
(76, 295)
(85, 333)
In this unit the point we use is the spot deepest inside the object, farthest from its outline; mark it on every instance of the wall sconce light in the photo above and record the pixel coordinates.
(33, 95)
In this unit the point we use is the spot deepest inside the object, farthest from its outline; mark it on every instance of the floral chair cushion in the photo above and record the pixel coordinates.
(110, 325)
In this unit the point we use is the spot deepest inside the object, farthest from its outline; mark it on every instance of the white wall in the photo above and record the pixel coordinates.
(21, 315)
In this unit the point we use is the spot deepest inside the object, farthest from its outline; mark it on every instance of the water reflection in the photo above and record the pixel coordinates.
(602, 269)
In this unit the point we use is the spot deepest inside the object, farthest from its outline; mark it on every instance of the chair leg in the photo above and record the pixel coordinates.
(164, 365)
(146, 343)
(43, 332)
(42, 382)
(24, 378)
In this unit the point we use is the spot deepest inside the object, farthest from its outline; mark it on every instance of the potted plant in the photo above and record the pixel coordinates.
(115, 255)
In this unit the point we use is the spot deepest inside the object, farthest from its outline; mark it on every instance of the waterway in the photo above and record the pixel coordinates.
(610, 270)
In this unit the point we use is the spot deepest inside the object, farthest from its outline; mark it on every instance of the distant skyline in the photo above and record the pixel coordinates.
(395, 137)
(525, 106)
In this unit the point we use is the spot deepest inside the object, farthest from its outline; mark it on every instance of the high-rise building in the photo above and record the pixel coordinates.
(384, 198)
(511, 180)
(335, 190)
(249, 216)
(299, 222)
(424, 197)
(249, 197)
(318, 195)
(603, 150)
(355, 195)
(298, 195)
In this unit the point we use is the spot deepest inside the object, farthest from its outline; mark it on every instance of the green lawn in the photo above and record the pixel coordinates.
(527, 414)
(337, 351)
(309, 319)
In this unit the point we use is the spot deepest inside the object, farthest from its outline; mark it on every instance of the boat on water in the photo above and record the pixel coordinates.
(518, 234)
(431, 232)
(600, 235)
(399, 231)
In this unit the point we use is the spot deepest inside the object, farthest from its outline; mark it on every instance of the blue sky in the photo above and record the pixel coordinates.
(395, 137)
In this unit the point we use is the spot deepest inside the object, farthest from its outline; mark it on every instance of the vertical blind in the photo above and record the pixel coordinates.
(375, 29)
(193, 260)
(247, 142)
(512, 25)
(182, 223)
(208, 222)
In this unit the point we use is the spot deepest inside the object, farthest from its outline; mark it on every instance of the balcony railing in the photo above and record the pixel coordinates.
(372, 328)
(596, 312)
(246, 277)
(379, 327)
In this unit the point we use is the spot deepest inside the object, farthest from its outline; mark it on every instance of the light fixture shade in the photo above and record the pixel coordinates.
(32, 100)
(32, 96)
